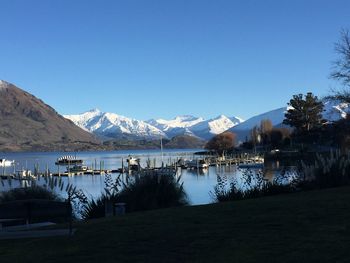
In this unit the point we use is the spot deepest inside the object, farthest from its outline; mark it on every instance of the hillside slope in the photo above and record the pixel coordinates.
(28, 124)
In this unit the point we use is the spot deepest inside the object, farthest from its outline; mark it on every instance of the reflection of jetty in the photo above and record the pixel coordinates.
(171, 171)
(251, 166)
(242, 161)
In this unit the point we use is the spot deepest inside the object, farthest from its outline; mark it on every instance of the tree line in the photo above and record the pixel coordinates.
(303, 123)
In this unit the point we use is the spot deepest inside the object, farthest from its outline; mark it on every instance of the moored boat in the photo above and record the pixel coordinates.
(198, 164)
(6, 163)
(68, 160)
(77, 168)
(133, 163)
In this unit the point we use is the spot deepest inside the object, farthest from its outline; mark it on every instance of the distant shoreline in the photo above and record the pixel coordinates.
(96, 150)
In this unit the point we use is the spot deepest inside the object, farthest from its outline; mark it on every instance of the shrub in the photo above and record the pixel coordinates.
(32, 192)
(146, 192)
(153, 192)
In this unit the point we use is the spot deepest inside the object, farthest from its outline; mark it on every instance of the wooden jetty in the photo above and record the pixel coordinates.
(235, 160)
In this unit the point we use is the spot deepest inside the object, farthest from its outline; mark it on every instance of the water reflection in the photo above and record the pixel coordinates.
(197, 183)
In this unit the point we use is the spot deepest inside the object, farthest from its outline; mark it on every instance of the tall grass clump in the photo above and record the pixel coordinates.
(253, 185)
(327, 171)
(153, 192)
(145, 192)
(95, 208)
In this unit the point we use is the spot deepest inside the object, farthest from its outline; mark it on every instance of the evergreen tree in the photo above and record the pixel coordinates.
(305, 113)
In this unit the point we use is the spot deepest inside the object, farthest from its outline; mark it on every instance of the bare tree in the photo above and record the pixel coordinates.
(266, 126)
(341, 68)
(222, 142)
(255, 136)
(265, 130)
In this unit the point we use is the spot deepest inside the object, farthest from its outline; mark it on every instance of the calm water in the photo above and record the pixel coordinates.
(198, 185)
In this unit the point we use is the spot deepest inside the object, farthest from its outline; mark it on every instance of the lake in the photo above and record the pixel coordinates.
(197, 184)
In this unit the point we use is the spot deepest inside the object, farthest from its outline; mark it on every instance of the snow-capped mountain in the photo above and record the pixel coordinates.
(195, 126)
(114, 125)
(183, 121)
(275, 116)
(178, 125)
(335, 110)
(209, 128)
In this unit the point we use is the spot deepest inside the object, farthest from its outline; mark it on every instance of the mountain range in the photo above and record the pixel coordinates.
(28, 124)
(111, 125)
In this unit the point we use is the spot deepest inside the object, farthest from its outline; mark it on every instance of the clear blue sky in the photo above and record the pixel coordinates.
(147, 59)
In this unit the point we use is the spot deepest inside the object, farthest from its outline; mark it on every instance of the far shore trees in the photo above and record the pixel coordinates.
(268, 136)
(304, 113)
(222, 142)
(279, 137)
(255, 136)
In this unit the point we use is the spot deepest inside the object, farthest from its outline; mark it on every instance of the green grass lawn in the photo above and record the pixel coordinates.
(310, 226)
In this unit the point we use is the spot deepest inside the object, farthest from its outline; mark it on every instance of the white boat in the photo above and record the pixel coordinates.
(6, 163)
(79, 169)
(198, 164)
(25, 174)
(133, 163)
(68, 160)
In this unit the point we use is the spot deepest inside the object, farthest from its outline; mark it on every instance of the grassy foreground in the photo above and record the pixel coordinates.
(310, 226)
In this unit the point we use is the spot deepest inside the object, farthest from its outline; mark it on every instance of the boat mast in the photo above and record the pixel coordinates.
(161, 149)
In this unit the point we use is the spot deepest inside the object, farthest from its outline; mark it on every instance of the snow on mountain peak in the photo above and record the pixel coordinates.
(3, 84)
(95, 110)
(182, 121)
(335, 110)
(236, 120)
(186, 118)
(208, 128)
(220, 124)
(112, 124)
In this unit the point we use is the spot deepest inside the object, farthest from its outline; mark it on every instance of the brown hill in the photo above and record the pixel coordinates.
(28, 124)
(185, 142)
